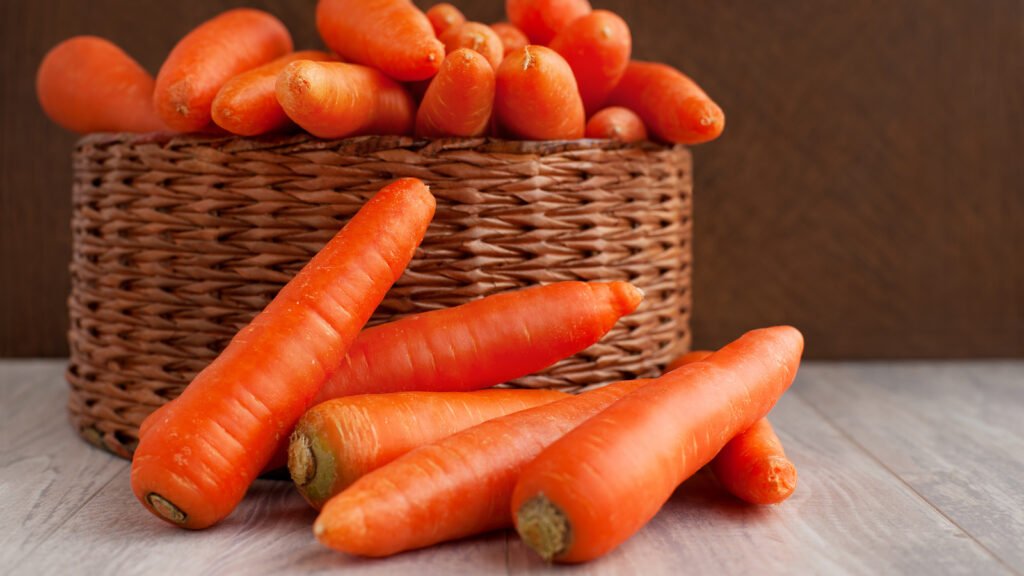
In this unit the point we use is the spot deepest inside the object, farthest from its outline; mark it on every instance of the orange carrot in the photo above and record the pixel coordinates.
(197, 459)
(596, 486)
(460, 99)
(204, 60)
(617, 123)
(87, 84)
(393, 36)
(444, 16)
(247, 104)
(335, 100)
(477, 37)
(688, 358)
(597, 48)
(456, 487)
(537, 98)
(341, 440)
(541, 20)
(512, 38)
(672, 106)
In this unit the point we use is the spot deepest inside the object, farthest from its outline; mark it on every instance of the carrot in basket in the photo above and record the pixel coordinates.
(335, 100)
(455, 487)
(207, 57)
(672, 106)
(597, 48)
(337, 442)
(512, 38)
(393, 36)
(542, 19)
(596, 486)
(537, 98)
(444, 16)
(247, 105)
(87, 84)
(197, 459)
(477, 37)
(460, 99)
(617, 123)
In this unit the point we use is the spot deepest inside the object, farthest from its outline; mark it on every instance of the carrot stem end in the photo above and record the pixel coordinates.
(166, 509)
(543, 527)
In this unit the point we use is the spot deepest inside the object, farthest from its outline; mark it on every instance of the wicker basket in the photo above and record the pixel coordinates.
(178, 242)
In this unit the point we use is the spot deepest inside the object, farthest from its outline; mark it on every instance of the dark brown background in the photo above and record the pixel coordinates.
(869, 187)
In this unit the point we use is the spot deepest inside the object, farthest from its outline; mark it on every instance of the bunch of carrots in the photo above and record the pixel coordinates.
(557, 70)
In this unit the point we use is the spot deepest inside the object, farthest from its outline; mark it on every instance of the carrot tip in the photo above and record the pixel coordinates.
(166, 509)
(543, 527)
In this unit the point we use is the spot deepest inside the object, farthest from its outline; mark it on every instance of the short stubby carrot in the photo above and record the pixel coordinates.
(537, 97)
(617, 123)
(443, 16)
(672, 106)
(247, 104)
(541, 20)
(597, 48)
(199, 455)
(460, 99)
(596, 486)
(339, 441)
(512, 38)
(335, 100)
(477, 37)
(393, 36)
(88, 84)
(455, 487)
(207, 57)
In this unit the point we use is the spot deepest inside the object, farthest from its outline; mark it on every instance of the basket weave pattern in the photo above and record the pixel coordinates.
(178, 242)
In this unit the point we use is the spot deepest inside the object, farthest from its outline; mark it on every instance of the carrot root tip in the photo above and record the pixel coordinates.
(166, 509)
(543, 527)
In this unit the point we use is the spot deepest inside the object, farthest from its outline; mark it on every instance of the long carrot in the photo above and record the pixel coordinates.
(594, 488)
(460, 99)
(617, 123)
(87, 84)
(597, 48)
(444, 16)
(541, 20)
(195, 462)
(477, 37)
(210, 55)
(512, 38)
(334, 100)
(393, 36)
(456, 487)
(337, 442)
(247, 104)
(673, 107)
(537, 97)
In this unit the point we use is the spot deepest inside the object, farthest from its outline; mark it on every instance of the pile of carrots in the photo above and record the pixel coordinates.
(557, 70)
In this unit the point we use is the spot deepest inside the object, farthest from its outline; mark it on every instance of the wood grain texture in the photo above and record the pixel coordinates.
(867, 189)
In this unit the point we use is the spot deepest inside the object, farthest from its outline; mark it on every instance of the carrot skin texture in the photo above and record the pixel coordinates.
(456, 487)
(617, 123)
(88, 84)
(603, 481)
(337, 442)
(541, 20)
(754, 467)
(197, 459)
(335, 100)
(512, 38)
(477, 37)
(444, 16)
(597, 48)
(207, 57)
(537, 97)
(673, 106)
(393, 36)
(688, 358)
(460, 99)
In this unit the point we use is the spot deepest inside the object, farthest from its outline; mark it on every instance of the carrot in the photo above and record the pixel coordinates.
(341, 440)
(444, 16)
(87, 84)
(537, 98)
(393, 36)
(207, 57)
(595, 487)
(455, 487)
(334, 100)
(688, 358)
(597, 48)
(460, 99)
(196, 460)
(617, 123)
(477, 37)
(672, 106)
(512, 38)
(541, 20)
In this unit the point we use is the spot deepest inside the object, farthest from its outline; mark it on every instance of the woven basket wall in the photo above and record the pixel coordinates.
(178, 242)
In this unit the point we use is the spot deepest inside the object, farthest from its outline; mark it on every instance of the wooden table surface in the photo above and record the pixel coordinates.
(913, 468)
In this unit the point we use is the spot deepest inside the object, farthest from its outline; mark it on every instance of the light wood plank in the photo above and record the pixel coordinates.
(954, 432)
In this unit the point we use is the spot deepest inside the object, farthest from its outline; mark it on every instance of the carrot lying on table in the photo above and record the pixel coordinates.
(198, 457)
(455, 487)
(536, 96)
(542, 19)
(339, 441)
(597, 48)
(596, 486)
(477, 37)
(460, 99)
(512, 38)
(213, 53)
(617, 123)
(443, 16)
